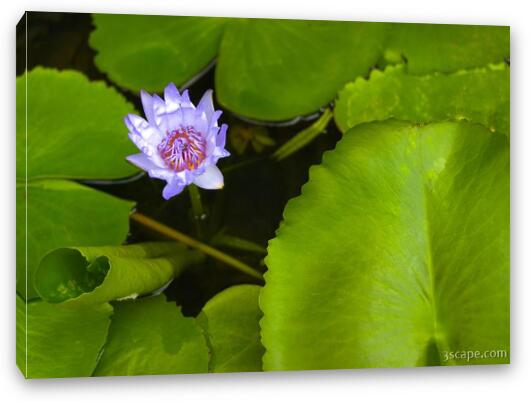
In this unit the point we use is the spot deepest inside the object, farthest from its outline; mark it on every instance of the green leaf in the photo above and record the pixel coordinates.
(74, 127)
(481, 95)
(267, 69)
(278, 69)
(396, 253)
(101, 274)
(446, 48)
(60, 341)
(230, 321)
(148, 52)
(67, 127)
(61, 213)
(150, 336)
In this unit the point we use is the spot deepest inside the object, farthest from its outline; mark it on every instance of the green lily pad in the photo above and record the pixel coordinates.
(230, 321)
(305, 61)
(446, 48)
(148, 52)
(60, 341)
(151, 336)
(101, 274)
(74, 127)
(62, 213)
(67, 127)
(481, 96)
(279, 69)
(396, 253)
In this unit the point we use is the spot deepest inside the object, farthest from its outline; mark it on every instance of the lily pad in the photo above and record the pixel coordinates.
(74, 127)
(101, 274)
(481, 96)
(446, 48)
(267, 69)
(151, 336)
(418, 264)
(230, 321)
(60, 341)
(62, 213)
(148, 52)
(67, 128)
(279, 69)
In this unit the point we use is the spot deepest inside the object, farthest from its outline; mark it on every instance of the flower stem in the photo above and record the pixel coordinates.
(197, 210)
(191, 242)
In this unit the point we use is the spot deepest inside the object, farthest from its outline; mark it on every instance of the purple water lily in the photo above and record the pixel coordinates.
(179, 142)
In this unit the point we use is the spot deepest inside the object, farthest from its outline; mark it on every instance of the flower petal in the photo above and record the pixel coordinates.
(147, 104)
(206, 104)
(172, 188)
(140, 127)
(190, 118)
(212, 179)
(142, 161)
(159, 111)
(222, 136)
(172, 97)
(185, 99)
(213, 122)
(135, 123)
(174, 100)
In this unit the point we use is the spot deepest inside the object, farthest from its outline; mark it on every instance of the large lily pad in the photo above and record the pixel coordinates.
(445, 48)
(230, 322)
(148, 52)
(279, 69)
(396, 253)
(59, 341)
(150, 336)
(74, 127)
(101, 274)
(481, 96)
(267, 69)
(67, 127)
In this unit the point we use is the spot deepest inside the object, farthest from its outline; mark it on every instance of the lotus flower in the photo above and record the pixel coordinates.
(180, 143)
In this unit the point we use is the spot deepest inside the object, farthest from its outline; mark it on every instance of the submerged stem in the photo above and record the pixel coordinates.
(197, 210)
(191, 242)
(304, 137)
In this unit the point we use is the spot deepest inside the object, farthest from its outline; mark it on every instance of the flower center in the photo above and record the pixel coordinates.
(183, 148)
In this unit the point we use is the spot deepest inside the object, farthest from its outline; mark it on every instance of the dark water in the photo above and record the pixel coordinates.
(255, 194)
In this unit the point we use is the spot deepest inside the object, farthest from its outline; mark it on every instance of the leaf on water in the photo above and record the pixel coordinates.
(151, 336)
(74, 130)
(74, 126)
(267, 69)
(230, 321)
(418, 264)
(446, 48)
(60, 341)
(481, 96)
(276, 70)
(101, 274)
(148, 52)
